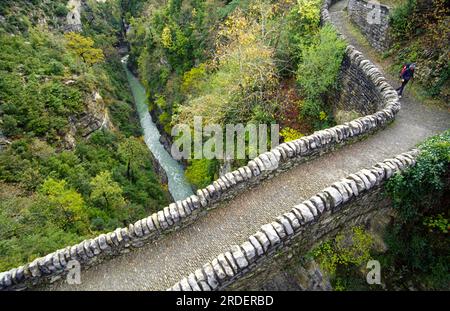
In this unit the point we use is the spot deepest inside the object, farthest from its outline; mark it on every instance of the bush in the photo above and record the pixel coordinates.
(419, 196)
(317, 75)
(321, 62)
(347, 251)
(61, 10)
(290, 134)
(200, 173)
(400, 19)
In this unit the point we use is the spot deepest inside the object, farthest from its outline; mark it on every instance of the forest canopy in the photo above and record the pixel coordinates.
(236, 62)
(61, 179)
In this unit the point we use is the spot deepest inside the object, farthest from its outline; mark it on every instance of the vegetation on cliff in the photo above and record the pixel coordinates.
(421, 34)
(67, 113)
(418, 239)
(236, 62)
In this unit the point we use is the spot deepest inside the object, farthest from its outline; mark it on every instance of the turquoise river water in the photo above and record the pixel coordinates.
(179, 188)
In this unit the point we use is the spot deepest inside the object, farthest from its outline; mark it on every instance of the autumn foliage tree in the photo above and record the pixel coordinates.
(84, 47)
(240, 76)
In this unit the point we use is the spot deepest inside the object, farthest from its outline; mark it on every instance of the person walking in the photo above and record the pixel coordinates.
(406, 74)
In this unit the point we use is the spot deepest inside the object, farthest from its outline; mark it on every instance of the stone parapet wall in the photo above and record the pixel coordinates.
(349, 202)
(373, 20)
(357, 91)
(267, 165)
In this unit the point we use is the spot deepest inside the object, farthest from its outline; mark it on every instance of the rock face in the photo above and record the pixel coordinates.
(373, 20)
(301, 277)
(94, 117)
(3, 141)
(74, 16)
(160, 172)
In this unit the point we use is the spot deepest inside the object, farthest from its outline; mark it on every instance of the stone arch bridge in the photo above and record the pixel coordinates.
(296, 193)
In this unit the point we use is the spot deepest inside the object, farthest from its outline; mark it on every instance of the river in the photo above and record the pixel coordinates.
(179, 188)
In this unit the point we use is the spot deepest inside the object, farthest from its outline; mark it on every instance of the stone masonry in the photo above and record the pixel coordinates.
(373, 20)
(349, 202)
(357, 91)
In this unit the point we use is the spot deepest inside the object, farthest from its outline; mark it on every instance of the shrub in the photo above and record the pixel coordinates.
(344, 250)
(419, 195)
(438, 222)
(290, 134)
(400, 19)
(61, 10)
(317, 75)
(200, 173)
(321, 62)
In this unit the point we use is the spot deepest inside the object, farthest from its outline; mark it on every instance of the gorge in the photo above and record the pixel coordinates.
(179, 188)
(353, 156)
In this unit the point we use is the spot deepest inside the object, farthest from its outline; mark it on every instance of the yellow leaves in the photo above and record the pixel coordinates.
(263, 9)
(241, 75)
(240, 36)
(349, 248)
(160, 102)
(209, 106)
(290, 134)
(193, 77)
(236, 28)
(166, 38)
(247, 80)
(310, 10)
(84, 48)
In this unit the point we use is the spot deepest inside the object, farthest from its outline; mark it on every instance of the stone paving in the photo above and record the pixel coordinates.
(160, 264)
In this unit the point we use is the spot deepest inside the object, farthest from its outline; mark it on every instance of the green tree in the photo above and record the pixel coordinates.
(200, 173)
(84, 48)
(317, 75)
(319, 69)
(132, 152)
(106, 191)
(66, 206)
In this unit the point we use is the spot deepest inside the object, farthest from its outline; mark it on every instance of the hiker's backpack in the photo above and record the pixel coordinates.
(404, 68)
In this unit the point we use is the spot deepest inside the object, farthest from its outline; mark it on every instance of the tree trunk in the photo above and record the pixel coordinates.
(129, 170)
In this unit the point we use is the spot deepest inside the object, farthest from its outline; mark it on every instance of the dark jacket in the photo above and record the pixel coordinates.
(408, 73)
